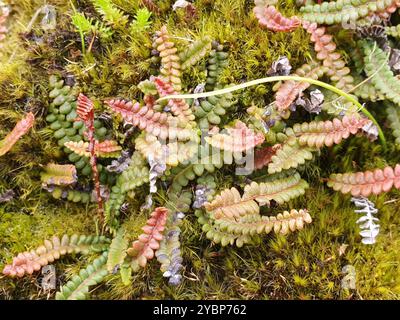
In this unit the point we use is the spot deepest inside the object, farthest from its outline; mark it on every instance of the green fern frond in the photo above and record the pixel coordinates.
(78, 287)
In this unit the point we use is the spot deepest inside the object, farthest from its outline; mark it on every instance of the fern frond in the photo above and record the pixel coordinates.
(71, 195)
(216, 235)
(290, 90)
(384, 80)
(280, 190)
(107, 149)
(183, 174)
(216, 63)
(368, 222)
(237, 139)
(78, 287)
(172, 153)
(59, 175)
(170, 62)
(21, 128)
(393, 115)
(331, 59)
(85, 109)
(231, 204)
(117, 251)
(366, 183)
(211, 109)
(269, 17)
(316, 134)
(195, 52)
(179, 107)
(159, 124)
(291, 155)
(345, 12)
(169, 253)
(367, 91)
(81, 148)
(143, 249)
(254, 224)
(31, 261)
(134, 176)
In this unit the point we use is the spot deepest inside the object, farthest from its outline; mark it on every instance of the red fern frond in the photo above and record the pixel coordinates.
(107, 149)
(21, 128)
(143, 249)
(326, 52)
(290, 90)
(268, 16)
(85, 109)
(170, 62)
(238, 139)
(264, 156)
(320, 133)
(366, 183)
(179, 107)
(160, 124)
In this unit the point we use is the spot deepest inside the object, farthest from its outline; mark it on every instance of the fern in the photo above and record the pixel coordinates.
(105, 149)
(291, 155)
(117, 251)
(283, 223)
(345, 11)
(159, 124)
(366, 183)
(169, 253)
(179, 107)
(60, 175)
(195, 52)
(170, 62)
(393, 115)
(332, 60)
(210, 110)
(143, 249)
(393, 31)
(71, 195)
(216, 63)
(30, 261)
(238, 139)
(231, 204)
(172, 153)
(134, 176)
(268, 16)
(376, 67)
(316, 134)
(78, 287)
(21, 128)
(290, 90)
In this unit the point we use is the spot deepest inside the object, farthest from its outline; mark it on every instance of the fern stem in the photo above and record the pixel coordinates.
(281, 78)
